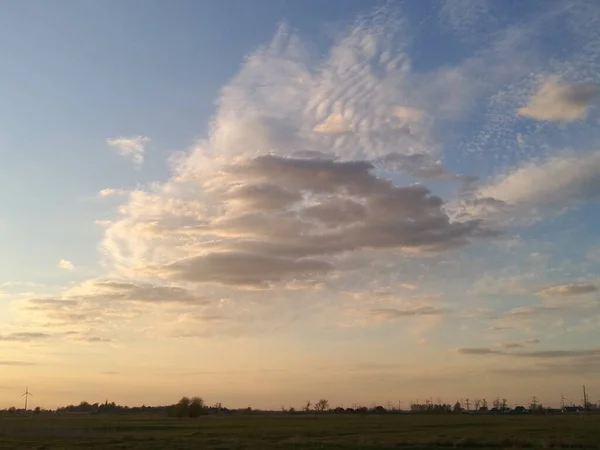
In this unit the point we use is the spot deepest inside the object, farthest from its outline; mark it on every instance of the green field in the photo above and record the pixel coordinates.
(291, 431)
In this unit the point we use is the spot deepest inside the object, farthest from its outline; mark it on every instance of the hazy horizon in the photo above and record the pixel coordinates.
(263, 203)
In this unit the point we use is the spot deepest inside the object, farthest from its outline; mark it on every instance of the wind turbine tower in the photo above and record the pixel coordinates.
(26, 395)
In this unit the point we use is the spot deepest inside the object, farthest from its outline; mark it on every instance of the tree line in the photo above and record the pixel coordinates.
(195, 406)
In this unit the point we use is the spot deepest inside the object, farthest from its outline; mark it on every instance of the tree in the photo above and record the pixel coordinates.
(182, 408)
(477, 403)
(196, 406)
(457, 408)
(307, 406)
(497, 404)
(322, 405)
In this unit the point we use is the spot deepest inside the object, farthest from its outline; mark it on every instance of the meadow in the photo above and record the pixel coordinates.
(299, 431)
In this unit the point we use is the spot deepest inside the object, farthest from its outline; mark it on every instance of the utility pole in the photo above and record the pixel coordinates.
(468, 403)
(534, 402)
(585, 402)
(562, 401)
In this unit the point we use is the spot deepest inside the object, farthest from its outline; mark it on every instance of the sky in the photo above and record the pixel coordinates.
(269, 202)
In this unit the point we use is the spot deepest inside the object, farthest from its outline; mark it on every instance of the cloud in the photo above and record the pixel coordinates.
(90, 339)
(532, 341)
(528, 314)
(567, 290)
(301, 180)
(23, 337)
(511, 345)
(479, 351)
(108, 192)
(271, 219)
(501, 285)
(334, 124)
(304, 164)
(65, 264)
(464, 16)
(559, 101)
(16, 363)
(558, 354)
(535, 189)
(540, 368)
(132, 148)
(542, 354)
(94, 303)
(393, 313)
(245, 269)
(423, 166)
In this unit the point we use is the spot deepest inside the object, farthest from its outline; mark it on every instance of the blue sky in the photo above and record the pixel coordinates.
(387, 190)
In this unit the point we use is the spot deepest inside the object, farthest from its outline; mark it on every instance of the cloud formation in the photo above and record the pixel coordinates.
(334, 173)
(85, 310)
(109, 192)
(559, 101)
(479, 351)
(16, 363)
(131, 148)
(542, 354)
(268, 219)
(567, 290)
(509, 345)
(394, 313)
(23, 337)
(65, 264)
(535, 189)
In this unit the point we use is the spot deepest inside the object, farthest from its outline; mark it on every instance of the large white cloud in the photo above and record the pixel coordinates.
(289, 177)
(267, 218)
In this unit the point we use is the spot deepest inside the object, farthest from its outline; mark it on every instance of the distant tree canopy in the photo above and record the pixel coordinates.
(195, 407)
(322, 405)
(187, 407)
(431, 408)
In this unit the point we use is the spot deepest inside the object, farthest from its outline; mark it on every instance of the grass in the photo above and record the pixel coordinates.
(291, 432)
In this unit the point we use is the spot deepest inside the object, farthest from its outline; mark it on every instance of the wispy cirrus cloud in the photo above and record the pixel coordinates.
(542, 354)
(132, 148)
(23, 337)
(16, 363)
(567, 290)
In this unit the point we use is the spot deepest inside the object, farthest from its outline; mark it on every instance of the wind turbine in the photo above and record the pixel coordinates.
(26, 395)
